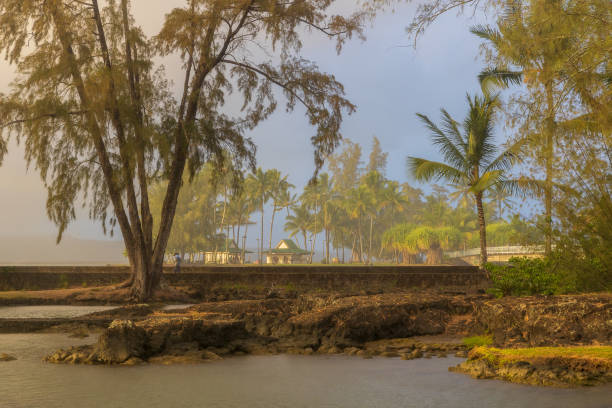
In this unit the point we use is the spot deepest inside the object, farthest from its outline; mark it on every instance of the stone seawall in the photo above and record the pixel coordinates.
(328, 277)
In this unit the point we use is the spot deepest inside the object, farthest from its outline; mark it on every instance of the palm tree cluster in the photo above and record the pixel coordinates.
(354, 212)
(409, 243)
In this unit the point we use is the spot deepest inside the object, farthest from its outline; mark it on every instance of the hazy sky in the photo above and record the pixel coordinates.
(385, 77)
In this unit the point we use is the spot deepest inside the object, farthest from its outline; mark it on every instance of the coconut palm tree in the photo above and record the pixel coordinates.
(280, 195)
(318, 196)
(391, 202)
(374, 183)
(357, 204)
(298, 222)
(260, 181)
(472, 164)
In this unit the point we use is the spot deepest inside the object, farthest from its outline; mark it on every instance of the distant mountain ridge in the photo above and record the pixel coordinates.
(34, 250)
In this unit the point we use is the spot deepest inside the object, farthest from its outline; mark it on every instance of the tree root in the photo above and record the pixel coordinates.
(125, 284)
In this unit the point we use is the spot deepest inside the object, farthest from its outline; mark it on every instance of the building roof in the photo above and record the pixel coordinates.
(287, 246)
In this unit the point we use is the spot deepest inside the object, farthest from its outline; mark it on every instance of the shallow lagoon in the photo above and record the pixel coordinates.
(49, 312)
(265, 381)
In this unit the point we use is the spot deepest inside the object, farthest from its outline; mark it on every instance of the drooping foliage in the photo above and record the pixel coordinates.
(99, 121)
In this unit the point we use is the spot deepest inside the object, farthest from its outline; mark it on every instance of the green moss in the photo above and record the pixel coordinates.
(476, 341)
(497, 356)
(234, 286)
(290, 287)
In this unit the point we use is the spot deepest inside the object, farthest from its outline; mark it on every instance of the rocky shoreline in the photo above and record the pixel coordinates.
(406, 325)
(359, 325)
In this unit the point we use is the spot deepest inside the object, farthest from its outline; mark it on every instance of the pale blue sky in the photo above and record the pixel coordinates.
(385, 77)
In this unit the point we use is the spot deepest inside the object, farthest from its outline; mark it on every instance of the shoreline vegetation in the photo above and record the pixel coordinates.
(547, 366)
(540, 340)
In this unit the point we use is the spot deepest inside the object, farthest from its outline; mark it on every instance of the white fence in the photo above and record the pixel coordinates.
(502, 250)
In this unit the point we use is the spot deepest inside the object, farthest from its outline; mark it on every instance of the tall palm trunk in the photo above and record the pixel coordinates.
(237, 238)
(221, 224)
(325, 220)
(246, 230)
(483, 230)
(262, 231)
(549, 154)
(360, 241)
(271, 226)
(370, 248)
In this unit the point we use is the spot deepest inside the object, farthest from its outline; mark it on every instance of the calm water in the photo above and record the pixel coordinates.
(271, 382)
(39, 312)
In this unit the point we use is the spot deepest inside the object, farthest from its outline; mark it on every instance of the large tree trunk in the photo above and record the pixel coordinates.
(483, 231)
(145, 257)
(142, 271)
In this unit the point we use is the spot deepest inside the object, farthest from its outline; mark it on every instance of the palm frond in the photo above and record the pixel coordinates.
(523, 187)
(479, 126)
(486, 32)
(486, 181)
(533, 188)
(449, 150)
(508, 157)
(427, 170)
(498, 78)
(452, 128)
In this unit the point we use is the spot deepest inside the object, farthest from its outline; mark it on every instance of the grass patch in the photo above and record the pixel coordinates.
(497, 356)
(234, 286)
(477, 341)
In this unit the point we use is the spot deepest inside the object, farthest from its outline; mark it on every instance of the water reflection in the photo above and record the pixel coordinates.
(49, 312)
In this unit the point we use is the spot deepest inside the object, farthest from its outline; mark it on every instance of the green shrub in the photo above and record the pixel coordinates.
(477, 341)
(524, 277)
(581, 272)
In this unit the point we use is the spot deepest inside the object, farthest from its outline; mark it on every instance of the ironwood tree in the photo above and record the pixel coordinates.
(99, 120)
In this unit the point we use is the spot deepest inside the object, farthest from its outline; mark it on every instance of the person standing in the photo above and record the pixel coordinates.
(177, 265)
